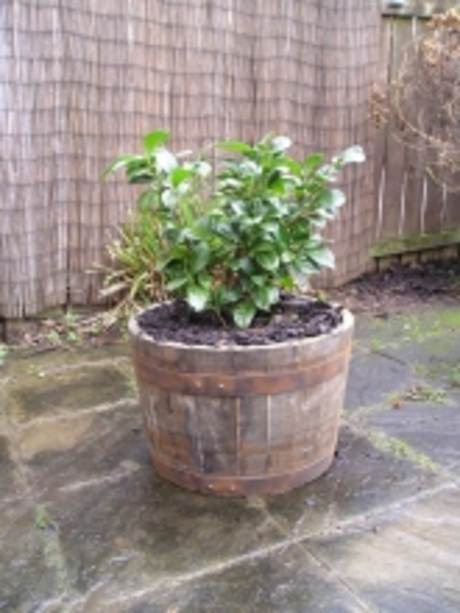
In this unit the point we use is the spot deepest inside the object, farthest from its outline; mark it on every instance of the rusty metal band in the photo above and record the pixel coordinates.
(241, 384)
(242, 486)
(166, 442)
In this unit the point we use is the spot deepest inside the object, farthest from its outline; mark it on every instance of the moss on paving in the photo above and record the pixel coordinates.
(399, 448)
(436, 325)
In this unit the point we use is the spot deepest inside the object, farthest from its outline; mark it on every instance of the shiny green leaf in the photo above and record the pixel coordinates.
(200, 257)
(244, 313)
(154, 140)
(322, 257)
(179, 174)
(268, 260)
(197, 297)
(176, 284)
(165, 161)
(352, 155)
(235, 146)
(313, 161)
(281, 143)
(333, 199)
(265, 297)
(121, 161)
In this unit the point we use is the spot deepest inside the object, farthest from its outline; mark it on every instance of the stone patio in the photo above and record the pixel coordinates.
(86, 525)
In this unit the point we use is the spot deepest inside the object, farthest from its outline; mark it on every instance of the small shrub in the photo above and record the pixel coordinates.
(227, 237)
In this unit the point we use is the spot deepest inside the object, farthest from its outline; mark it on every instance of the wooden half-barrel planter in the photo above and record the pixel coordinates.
(241, 421)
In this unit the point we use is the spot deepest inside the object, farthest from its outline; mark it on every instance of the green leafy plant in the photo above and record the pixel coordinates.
(229, 237)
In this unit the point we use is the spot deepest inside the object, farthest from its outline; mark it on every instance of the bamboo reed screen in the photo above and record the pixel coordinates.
(82, 80)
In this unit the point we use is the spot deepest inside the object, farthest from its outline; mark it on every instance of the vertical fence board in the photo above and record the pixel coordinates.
(396, 156)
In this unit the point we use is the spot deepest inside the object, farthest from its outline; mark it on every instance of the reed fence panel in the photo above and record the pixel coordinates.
(84, 79)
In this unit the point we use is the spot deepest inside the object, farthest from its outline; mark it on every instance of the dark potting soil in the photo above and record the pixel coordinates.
(293, 318)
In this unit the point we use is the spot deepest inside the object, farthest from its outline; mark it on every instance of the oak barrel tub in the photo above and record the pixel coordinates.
(242, 421)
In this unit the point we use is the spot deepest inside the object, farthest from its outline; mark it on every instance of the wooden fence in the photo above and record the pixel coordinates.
(84, 79)
(413, 213)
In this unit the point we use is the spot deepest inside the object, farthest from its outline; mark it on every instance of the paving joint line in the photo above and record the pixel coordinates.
(171, 583)
(364, 521)
(389, 444)
(105, 407)
(388, 512)
(103, 362)
(388, 356)
(336, 577)
(114, 477)
(330, 573)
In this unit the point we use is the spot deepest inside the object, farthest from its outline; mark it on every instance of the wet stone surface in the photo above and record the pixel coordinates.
(9, 482)
(373, 378)
(86, 524)
(429, 428)
(66, 392)
(84, 447)
(35, 361)
(285, 580)
(437, 358)
(407, 562)
(361, 480)
(28, 576)
(138, 532)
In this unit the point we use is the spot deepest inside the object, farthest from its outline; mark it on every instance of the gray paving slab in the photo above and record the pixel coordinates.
(407, 562)
(67, 391)
(286, 580)
(429, 428)
(375, 333)
(436, 358)
(10, 486)
(83, 446)
(139, 531)
(28, 576)
(408, 328)
(428, 342)
(47, 359)
(374, 378)
(361, 481)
